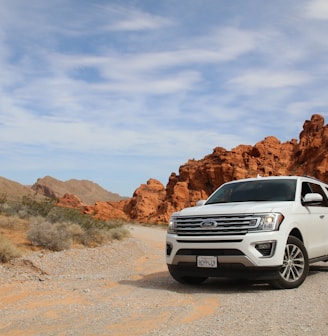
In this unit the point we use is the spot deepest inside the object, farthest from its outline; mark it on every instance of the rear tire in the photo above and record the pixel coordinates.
(184, 279)
(295, 266)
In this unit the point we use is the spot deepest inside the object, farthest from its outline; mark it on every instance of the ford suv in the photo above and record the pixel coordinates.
(264, 228)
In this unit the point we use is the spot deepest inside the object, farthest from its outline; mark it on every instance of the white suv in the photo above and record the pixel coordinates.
(265, 228)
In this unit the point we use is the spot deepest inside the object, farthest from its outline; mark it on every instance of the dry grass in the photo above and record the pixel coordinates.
(8, 250)
(62, 235)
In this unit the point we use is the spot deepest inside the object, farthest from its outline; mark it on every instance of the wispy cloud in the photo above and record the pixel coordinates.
(130, 19)
(263, 79)
(148, 87)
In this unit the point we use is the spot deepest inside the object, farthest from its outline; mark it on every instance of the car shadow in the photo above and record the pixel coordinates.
(318, 268)
(164, 281)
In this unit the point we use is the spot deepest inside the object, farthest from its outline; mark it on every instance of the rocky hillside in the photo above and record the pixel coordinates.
(197, 179)
(86, 192)
(13, 190)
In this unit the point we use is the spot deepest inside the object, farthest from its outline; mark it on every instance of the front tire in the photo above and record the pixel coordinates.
(184, 279)
(295, 267)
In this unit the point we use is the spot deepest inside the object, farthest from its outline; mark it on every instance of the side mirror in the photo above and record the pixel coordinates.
(312, 198)
(200, 203)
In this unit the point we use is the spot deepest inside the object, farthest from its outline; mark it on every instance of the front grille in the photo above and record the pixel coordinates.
(215, 225)
(211, 252)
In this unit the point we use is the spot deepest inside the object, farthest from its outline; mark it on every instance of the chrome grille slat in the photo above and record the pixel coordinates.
(221, 225)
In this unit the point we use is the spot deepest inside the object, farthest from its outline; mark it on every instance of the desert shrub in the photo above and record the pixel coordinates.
(55, 237)
(29, 206)
(38, 208)
(76, 232)
(60, 235)
(3, 201)
(95, 237)
(99, 236)
(56, 228)
(8, 250)
(12, 222)
(61, 214)
(119, 233)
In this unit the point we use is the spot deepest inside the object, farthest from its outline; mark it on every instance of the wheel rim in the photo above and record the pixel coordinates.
(294, 263)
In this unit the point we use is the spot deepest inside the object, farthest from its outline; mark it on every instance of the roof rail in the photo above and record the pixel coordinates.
(311, 177)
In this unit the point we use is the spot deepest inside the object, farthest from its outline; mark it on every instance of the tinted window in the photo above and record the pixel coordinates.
(259, 190)
(308, 187)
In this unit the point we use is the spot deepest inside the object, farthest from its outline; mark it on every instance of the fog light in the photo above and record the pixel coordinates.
(266, 248)
(168, 249)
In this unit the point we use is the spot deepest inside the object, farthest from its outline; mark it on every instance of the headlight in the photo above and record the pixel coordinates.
(270, 222)
(171, 228)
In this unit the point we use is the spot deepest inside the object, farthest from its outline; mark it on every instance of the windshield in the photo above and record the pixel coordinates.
(258, 190)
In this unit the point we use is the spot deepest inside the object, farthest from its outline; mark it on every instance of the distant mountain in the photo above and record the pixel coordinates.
(13, 190)
(87, 191)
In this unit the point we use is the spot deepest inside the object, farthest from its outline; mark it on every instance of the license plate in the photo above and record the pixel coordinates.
(207, 261)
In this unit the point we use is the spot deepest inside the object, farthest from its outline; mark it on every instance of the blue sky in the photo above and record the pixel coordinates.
(118, 92)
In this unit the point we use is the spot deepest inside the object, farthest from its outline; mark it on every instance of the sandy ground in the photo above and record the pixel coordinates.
(124, 289)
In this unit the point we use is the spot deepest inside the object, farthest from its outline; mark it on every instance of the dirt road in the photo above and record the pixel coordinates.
(124, 289)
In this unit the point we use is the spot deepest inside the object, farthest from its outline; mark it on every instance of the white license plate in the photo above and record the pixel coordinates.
(207, 261)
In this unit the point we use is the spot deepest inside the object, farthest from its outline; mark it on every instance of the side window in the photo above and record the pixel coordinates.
(305, 189)
(314, 188)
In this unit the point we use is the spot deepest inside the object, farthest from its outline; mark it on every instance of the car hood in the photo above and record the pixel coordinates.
(233, 208)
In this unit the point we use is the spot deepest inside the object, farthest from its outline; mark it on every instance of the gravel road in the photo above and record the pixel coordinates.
(124, 289)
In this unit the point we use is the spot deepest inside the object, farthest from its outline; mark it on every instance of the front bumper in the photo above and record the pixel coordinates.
(232, 252)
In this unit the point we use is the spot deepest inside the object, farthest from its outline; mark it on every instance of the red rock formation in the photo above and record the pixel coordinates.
(70, 201)
(310, 155)
(107, 210)
(143, 206)
(197, 179)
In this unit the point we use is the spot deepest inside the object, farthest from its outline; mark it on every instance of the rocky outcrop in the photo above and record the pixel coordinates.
(70, 201)
(310, 155)
(144, 204)
(197, 179)
(107, 210)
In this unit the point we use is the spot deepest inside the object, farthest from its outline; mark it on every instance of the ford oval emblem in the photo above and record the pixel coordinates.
(209, 223)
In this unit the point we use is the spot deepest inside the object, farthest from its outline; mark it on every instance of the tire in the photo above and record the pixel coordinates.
(295, 266)
(184, 279)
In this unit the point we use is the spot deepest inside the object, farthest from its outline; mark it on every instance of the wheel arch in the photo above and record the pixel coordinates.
(297, 234)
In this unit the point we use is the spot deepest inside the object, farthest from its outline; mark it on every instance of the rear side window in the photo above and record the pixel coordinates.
(308, 187)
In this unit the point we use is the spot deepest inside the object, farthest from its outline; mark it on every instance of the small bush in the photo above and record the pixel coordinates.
(8, 250)
(37, 207)
(55, 237)
(119, 233)
(28, 207)
(3, 201)
(12, 222)
(76, 232)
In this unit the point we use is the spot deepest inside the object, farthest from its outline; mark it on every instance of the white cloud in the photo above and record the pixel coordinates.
(317, 9)
(129, 19)
(253, 81)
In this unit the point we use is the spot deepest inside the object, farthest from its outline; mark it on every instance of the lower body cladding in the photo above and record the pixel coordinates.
(256, 257)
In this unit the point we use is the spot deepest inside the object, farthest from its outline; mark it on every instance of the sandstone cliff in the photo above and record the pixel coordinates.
(197, 179)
